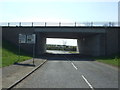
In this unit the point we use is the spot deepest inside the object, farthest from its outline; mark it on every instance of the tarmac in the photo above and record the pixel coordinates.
(13, 74)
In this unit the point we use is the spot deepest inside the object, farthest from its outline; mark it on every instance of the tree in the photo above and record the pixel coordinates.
(64, 44)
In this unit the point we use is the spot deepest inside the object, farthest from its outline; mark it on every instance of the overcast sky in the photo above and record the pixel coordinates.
(59, 11)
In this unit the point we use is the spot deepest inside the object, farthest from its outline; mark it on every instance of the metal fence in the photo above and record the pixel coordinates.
(74, 24)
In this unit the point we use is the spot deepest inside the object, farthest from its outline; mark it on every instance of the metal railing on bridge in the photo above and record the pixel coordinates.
(60, 24)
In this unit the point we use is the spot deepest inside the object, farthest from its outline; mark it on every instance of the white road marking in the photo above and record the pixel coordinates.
(87, 82)
(71, 63)
(82, 76)
(74, 66)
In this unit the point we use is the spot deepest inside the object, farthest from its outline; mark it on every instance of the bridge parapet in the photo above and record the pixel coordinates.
(91, 40)
(61, 24)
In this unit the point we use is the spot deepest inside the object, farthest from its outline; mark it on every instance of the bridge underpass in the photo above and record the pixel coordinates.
(95, 41)
(88, 43)
(61, 46)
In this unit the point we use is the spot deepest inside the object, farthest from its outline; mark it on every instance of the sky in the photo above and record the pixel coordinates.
(59, 11)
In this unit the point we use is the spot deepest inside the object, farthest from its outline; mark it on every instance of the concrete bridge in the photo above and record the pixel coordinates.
(95, 41)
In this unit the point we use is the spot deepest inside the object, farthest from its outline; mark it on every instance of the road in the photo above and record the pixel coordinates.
(57, 52)
(64, 73)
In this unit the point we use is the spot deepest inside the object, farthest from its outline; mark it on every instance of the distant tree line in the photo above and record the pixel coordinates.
(61, 47)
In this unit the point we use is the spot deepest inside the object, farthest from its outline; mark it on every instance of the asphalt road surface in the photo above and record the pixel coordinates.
(57, 52)
(72, 73)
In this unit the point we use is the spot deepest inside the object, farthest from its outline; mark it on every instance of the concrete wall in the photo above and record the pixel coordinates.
(112, 45)
(102, 43)
(92, 45)
(119, 40)
(98, 41)
(41, 43)
(12, 35)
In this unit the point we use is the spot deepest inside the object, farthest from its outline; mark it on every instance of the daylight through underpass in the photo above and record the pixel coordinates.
(61, 46)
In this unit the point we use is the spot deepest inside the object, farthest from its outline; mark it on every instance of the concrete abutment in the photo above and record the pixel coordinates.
(40, 43)
(92, 45)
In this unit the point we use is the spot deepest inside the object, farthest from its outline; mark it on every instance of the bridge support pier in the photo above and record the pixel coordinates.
(91, 45)
(40, 44)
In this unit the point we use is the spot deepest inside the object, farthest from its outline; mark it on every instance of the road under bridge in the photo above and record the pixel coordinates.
(95, 41)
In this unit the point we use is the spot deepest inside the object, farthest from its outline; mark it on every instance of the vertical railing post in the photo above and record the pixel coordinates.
(45, 24)
(109, 24)
(32, 24)
(20, 24)
(91, 23)
(75, 24)
(59, 24)
(112, 24)
(8, 24)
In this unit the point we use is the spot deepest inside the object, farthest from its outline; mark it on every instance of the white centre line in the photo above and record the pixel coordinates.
(87, 82)
(74, 66)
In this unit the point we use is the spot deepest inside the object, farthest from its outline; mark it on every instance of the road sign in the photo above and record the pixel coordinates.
(31, 38)
(22, 38)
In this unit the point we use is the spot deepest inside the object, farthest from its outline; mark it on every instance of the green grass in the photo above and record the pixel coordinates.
(73, 52)
(112, 60)
(10, 54)
(0, 56)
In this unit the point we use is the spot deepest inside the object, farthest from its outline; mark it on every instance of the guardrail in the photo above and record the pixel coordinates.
(75, 24)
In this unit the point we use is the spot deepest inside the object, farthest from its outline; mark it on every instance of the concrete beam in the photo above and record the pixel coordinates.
(71, 29)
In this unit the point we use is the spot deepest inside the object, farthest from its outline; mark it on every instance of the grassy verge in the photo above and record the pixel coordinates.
(113, 60)
(0, 56)
(10, 54)
(73, 52)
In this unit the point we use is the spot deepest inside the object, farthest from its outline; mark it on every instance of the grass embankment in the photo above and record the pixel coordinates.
(10, 54)
(72, 52)
(0, 56)
(112, 60)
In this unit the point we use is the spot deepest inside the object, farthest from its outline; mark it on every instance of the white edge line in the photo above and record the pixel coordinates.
(87, 82)
(74, 66)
